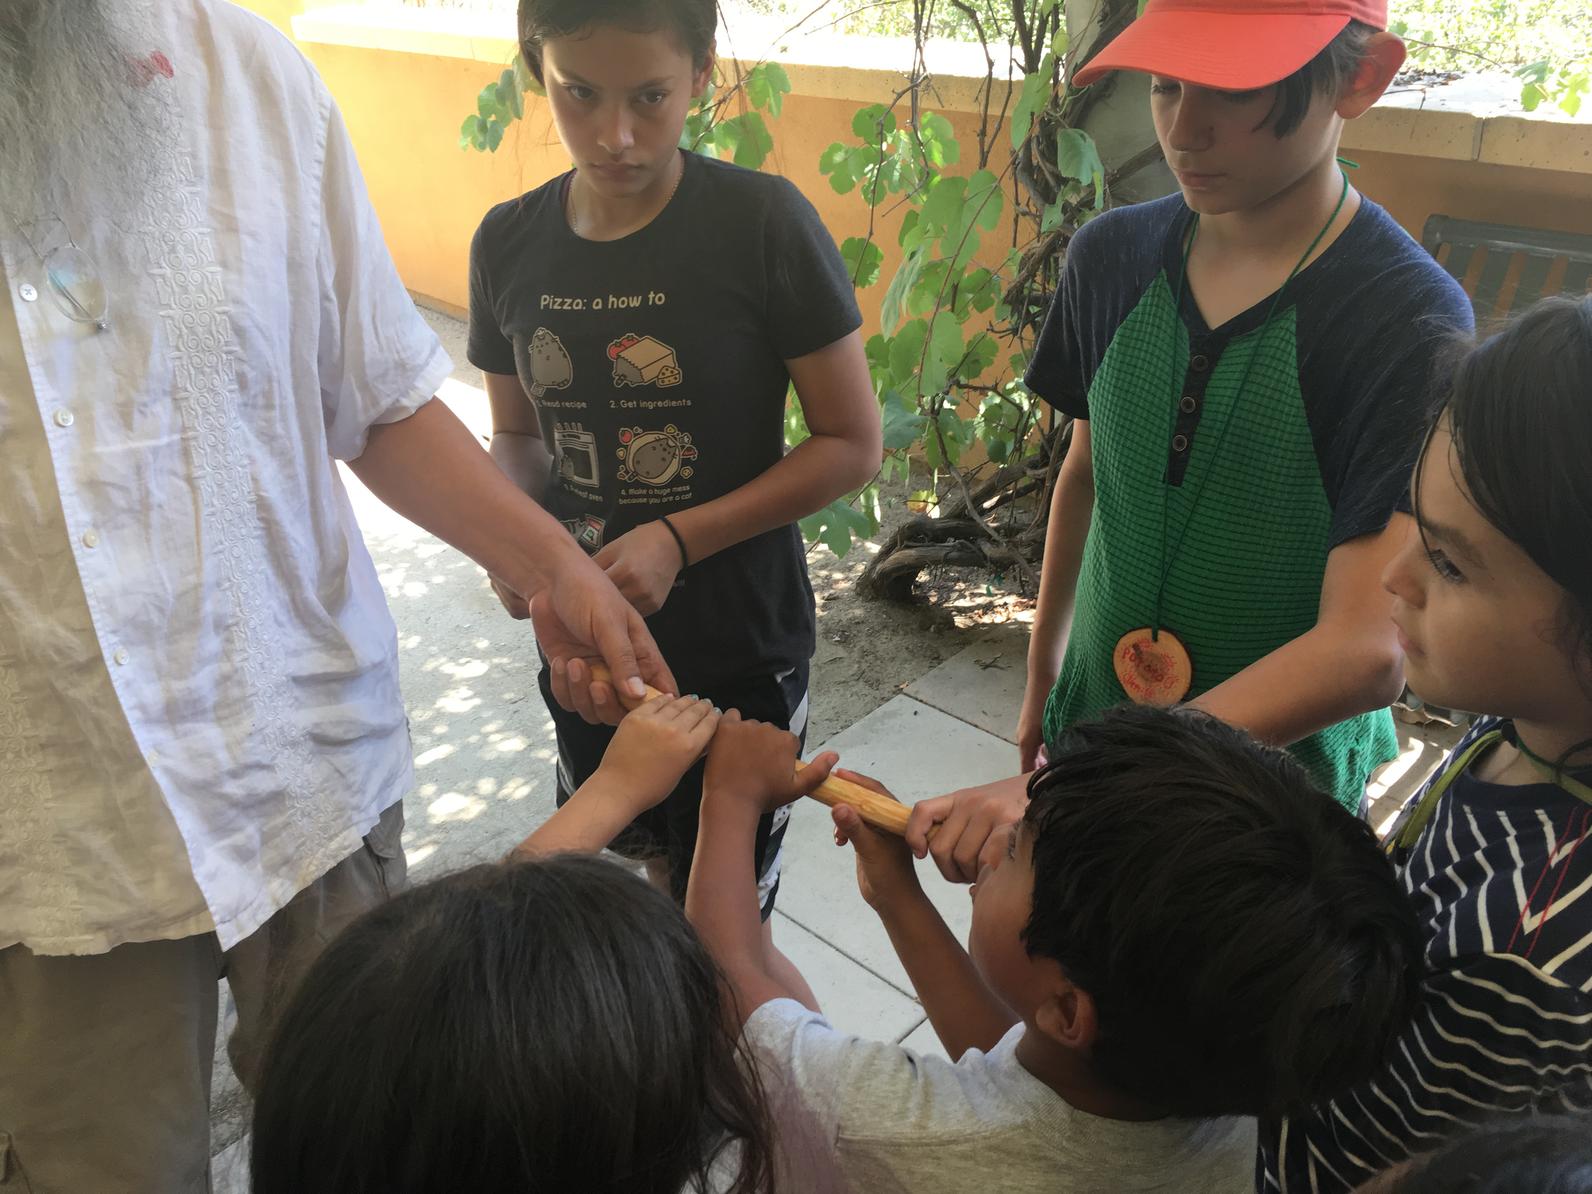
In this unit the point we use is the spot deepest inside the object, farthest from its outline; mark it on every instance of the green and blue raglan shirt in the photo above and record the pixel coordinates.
(1317, 451)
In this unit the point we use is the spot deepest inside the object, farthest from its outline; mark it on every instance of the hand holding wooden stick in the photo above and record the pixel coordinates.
(881, 812)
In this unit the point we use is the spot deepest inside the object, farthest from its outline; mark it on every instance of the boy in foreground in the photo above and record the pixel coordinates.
(1183, 934)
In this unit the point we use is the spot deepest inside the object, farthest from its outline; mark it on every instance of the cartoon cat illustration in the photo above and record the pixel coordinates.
(550, 364)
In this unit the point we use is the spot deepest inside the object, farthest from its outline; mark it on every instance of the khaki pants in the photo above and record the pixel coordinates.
(105, 1060)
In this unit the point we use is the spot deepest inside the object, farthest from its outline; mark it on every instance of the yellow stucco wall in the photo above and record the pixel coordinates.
(404, 109)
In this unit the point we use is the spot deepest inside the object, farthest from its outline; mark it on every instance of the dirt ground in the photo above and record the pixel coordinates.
(869, 650)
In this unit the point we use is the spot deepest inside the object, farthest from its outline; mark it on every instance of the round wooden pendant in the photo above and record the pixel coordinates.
(1153, 669)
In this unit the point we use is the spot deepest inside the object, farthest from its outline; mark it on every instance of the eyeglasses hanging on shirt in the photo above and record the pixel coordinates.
(73, 280)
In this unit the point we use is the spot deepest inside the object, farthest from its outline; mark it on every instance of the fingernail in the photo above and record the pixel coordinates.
(636, 687)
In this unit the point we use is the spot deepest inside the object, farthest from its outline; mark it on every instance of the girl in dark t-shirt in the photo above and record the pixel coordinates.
(640, 320)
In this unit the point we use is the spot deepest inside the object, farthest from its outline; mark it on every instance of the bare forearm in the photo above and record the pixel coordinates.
(964, 1011)
(1071, 512)
(721, 903)
(587, 822)
(1317, 680)
(808, 478)
(430, 469)
(524, 460)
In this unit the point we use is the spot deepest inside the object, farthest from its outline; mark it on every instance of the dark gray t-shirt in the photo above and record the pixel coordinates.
(657, 366)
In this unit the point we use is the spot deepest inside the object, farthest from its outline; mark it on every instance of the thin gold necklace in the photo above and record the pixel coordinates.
(569, 201)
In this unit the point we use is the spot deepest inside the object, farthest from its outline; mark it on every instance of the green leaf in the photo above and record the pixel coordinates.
(796, 430)
(509, 93)
(873, 123)
(939, 140)
(494, 135)
(472, 133)
(909, 225)
(901, 285)
(523, 79)
(752, 140)
(902, 424)
(877, 350)
(925, 292)
(945, 351)
(766, 85)
(958, 433)
(985, 198)
(906, 354)
(836, 162)
(863, 259)
(1078, 157)
(1031, 100)
(1570, 101)
(835, 525)
(943, 205)
(980, 355)
(980, 288)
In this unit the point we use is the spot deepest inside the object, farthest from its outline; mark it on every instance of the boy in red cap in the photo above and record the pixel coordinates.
(1248, 362)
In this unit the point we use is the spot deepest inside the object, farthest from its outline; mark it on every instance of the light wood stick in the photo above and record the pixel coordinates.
(881, 812)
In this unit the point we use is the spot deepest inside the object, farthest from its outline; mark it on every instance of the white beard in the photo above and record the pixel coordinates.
(83, 133)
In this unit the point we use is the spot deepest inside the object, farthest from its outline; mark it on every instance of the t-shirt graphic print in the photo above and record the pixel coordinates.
(657, 367)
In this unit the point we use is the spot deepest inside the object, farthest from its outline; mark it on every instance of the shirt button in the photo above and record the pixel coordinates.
(28, 292)
(1200, 363)
(90, 539)
(121, 657)
(64, 418)
(1188, 404)
(1180, 443)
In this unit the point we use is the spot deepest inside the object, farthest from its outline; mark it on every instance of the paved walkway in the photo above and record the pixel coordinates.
(484, 765)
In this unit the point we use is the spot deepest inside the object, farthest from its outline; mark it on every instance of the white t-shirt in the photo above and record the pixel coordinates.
(875, 1118)
(199, 705)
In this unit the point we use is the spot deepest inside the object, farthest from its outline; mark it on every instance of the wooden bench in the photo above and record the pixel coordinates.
(1489, 252)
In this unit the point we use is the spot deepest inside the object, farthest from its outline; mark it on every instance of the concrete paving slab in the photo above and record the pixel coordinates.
(853, 999)
(983, 684)
(918, 752)
(229, 1169)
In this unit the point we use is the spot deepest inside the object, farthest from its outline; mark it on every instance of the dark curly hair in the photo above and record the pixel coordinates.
(1245, 942)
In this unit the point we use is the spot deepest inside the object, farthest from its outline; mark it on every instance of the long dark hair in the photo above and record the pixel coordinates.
(1520, 411)
(544, 1026)
(692, 21)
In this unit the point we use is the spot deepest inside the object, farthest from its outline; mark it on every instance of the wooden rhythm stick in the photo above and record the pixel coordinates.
(878, 811)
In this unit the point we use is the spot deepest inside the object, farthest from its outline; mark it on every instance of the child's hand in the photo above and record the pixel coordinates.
(654, 746)
(885, 873)
(756, 763)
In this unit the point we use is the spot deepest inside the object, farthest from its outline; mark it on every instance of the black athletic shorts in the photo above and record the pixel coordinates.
(669, 830)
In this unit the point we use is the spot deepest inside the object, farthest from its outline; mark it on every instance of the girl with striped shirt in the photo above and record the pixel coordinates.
(1493, 603)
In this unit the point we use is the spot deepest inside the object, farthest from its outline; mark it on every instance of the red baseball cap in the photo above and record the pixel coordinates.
(1230, 45)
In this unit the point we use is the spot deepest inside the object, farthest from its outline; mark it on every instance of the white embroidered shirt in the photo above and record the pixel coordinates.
(199, 705)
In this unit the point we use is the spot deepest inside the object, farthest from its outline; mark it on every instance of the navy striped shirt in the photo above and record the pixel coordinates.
(1504, 892)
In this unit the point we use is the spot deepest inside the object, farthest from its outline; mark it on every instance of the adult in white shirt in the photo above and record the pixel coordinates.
(202, 743)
